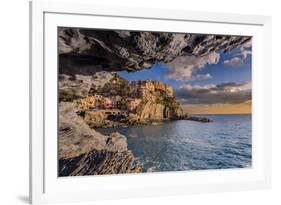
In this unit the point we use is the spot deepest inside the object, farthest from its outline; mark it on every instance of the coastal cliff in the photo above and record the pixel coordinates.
(122, 103)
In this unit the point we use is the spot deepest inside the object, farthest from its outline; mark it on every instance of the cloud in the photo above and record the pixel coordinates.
(245, 53)
(182, 68)
(206, 76)
(225, 93)
(238, 59)
(235, 61)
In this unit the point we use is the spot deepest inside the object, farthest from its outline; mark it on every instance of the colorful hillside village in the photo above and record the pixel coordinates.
(124, 96)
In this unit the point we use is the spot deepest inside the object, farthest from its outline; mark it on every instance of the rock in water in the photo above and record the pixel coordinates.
(198, 119)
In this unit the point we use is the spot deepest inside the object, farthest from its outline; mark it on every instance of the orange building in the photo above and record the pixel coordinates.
(159, 85)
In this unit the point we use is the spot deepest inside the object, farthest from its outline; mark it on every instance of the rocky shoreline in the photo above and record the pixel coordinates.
(125, 120)
(83, 151)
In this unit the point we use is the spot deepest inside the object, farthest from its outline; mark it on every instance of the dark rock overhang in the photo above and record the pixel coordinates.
(86, 51)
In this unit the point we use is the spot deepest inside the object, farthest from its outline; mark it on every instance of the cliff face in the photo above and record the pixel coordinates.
(152, 111)
(160, 106)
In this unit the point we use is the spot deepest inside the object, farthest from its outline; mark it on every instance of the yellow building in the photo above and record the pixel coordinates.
(169, 90)
(88, 102)
(150, 85)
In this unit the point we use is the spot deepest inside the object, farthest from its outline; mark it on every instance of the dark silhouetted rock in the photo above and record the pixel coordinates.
(198, 119)
(86, 51)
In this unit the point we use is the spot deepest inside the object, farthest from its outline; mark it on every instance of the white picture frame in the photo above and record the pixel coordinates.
(46, 187)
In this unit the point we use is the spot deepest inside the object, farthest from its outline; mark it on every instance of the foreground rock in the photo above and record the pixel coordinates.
(83, 151)
(99, 162)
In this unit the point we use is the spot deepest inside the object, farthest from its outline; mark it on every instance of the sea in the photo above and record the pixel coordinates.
(188, 145)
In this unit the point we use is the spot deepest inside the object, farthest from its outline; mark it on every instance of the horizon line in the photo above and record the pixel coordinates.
(220, 113)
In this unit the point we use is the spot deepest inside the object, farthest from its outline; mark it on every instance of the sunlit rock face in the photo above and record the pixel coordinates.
(86, 51)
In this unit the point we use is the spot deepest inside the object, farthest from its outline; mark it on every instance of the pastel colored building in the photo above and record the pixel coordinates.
(88, 102)
(133, 104)
(106, 102)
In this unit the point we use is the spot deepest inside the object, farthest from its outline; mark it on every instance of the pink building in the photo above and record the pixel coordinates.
(133, 104)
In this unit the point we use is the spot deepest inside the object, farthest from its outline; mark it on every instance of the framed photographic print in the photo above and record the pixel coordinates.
(130, 102)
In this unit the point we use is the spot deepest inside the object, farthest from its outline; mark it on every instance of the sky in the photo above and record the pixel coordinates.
(217, 83)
